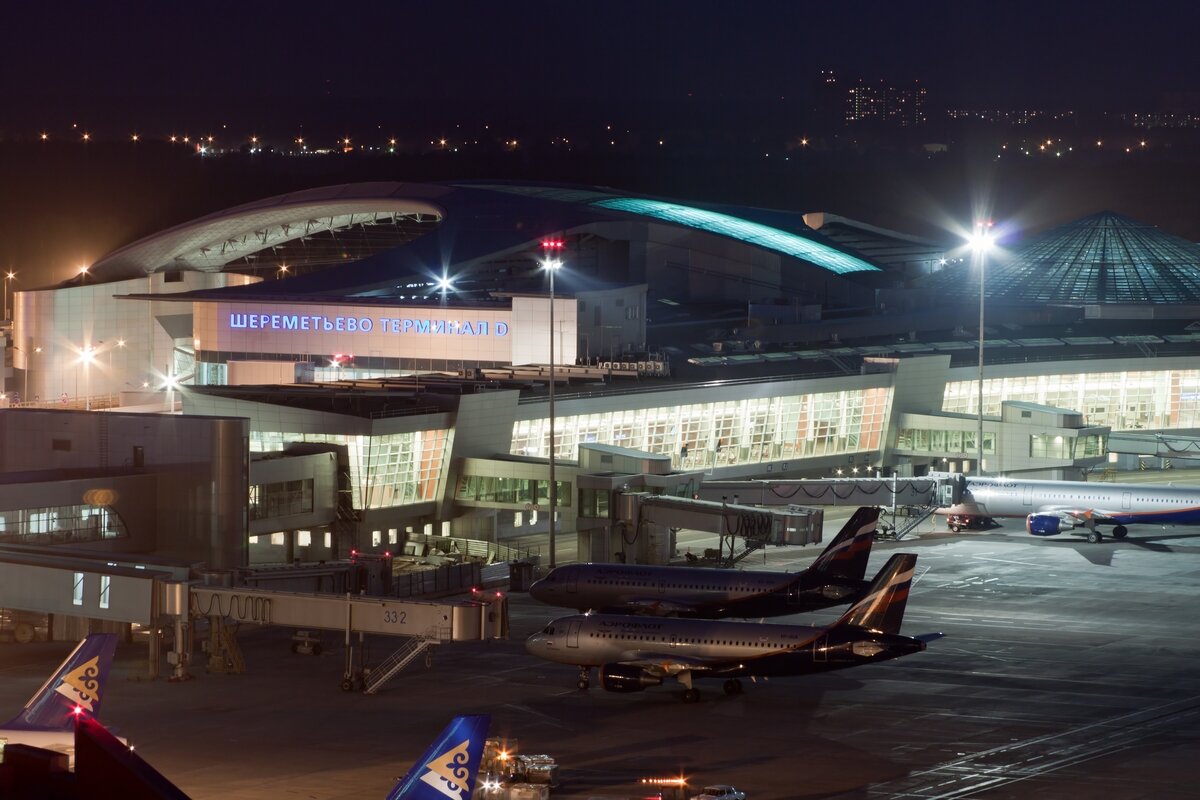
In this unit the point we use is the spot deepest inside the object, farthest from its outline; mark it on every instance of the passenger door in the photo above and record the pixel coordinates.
(573, 633)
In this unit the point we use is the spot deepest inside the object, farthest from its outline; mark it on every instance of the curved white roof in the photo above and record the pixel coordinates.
(210, 243)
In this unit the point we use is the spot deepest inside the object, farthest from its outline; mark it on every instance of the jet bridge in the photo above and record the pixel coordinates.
(643, 517)
(914, 499)
(421, 623)
(942, 489)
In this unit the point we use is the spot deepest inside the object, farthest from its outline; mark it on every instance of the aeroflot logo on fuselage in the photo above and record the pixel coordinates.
(448, 773)
(397, 325)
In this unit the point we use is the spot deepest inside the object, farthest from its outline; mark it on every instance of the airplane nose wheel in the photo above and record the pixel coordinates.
(585, 678)
(1094, 537)
(733, 686)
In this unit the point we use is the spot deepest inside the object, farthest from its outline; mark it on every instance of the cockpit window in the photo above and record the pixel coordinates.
(549, 630)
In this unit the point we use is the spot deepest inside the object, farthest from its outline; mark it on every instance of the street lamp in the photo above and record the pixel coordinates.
(550, 247)
(8, 278)
(980, 242)
(87, 355)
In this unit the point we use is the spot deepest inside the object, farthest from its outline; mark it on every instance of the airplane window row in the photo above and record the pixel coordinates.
(677, 640)
(653, 585)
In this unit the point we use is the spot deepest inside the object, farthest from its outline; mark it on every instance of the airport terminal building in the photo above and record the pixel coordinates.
(390, 346)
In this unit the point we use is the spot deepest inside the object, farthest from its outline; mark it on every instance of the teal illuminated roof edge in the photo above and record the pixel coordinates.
(742, 229)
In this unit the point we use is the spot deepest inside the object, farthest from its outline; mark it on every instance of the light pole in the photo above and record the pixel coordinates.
(87, 355)
(8, 278)
(550, 247)
(981, 242)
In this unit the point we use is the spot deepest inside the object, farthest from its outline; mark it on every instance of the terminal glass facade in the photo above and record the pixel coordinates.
(1124, 401)
(944, 442)
(389, 470)
(724, 434)
(60, 525)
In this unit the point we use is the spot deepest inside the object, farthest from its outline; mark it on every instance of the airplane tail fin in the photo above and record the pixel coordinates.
(449, 768)
(77, 686)
(846, 556)
(882, 608)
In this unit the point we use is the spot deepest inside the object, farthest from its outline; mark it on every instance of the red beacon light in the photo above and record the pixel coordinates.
(77, 711)
(552, 244)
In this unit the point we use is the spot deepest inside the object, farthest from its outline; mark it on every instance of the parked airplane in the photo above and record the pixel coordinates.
(1052, 507)
(634, 652)
(836, 577)
(450, 766)
(77, 687)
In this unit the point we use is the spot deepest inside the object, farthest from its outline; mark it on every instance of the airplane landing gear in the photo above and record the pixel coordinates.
(1094, 536)
(733, 686)
(1120, 532)
(585, 678)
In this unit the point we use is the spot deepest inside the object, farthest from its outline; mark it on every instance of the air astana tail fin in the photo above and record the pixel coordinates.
(77, 686)
(882, 608)
(449, 767)
(846, 556)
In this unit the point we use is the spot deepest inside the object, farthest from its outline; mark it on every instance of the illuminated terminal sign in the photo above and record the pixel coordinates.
(356, 324)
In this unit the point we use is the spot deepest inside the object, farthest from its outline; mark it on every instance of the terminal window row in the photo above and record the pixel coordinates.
(61, 525)
(1120, 400)
(727, 433)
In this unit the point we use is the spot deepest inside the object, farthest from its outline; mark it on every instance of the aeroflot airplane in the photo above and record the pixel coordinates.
(1052, 507)
(836, 577)
(77, 687)
(635, 652)
(450, 766)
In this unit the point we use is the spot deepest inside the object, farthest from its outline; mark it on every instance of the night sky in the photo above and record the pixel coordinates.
(216, 58)
(743, 73)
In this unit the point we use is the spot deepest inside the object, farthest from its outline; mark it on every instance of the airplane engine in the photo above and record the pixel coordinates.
(1043, 524)
(621, 678)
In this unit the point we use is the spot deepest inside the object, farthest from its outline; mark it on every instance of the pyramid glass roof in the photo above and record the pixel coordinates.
(1104, 258)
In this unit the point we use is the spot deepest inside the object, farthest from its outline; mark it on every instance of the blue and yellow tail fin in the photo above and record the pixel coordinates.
(76, 687)
(450, 766)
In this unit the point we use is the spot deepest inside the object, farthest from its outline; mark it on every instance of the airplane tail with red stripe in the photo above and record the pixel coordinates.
(881, 609)
(847, 555)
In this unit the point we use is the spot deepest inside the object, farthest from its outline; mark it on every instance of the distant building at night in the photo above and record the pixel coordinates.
(882, 102)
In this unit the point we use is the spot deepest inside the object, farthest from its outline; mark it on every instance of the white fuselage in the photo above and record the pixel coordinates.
(1124, 503)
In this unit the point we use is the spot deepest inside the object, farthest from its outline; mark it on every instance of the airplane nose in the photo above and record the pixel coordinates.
(534, 643)
(538, 590)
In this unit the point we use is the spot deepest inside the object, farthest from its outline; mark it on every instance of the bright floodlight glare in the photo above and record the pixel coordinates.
(981, 241)
(551, 263)
(445, 284)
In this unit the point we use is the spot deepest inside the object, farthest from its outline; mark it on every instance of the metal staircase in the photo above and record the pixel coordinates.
(224, 654)
(752, 545)
(397, 661)
(908, 526)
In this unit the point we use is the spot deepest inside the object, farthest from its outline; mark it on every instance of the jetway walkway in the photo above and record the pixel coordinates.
(158, 595)
(940, 490)
(918, 498)
(757, 527)
(1161, 445)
